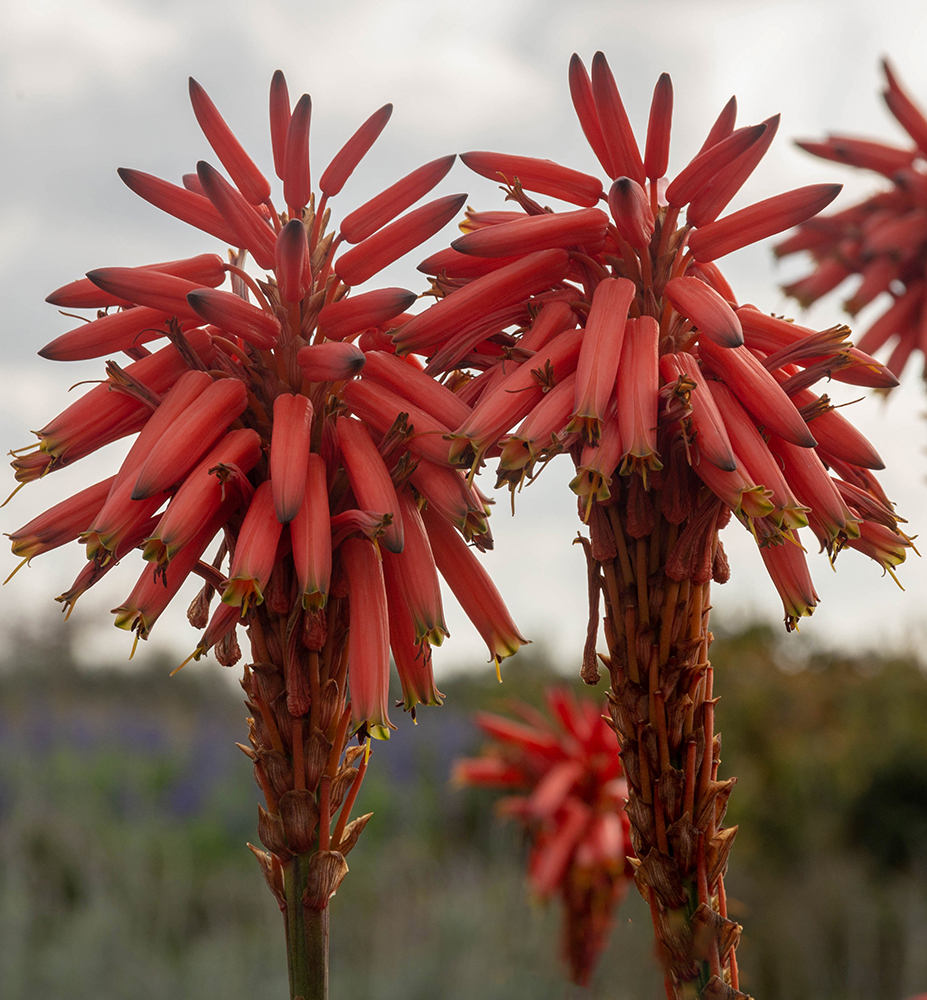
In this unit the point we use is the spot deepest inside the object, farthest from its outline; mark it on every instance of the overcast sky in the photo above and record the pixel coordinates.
(92, 86)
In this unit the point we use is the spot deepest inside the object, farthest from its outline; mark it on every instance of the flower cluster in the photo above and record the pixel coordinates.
(882, 240)
(244, 418)
(633, 354)
(571, 802)
(275, 423)
(613, 336)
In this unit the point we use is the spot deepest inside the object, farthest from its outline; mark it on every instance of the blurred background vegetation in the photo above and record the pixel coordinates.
(125, 808)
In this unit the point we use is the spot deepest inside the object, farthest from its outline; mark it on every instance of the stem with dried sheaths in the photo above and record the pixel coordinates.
(662, 707)
(299, 734)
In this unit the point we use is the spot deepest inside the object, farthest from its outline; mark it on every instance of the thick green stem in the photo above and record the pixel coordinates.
(306, 935)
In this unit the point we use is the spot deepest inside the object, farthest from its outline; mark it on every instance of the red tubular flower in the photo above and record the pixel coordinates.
(637, 396)
(882, 239)
(788, 570)
(543, 176)
(370, 479)
(105, 414)
(62, 523)
(289, 453)
(534, 233)
(368, 653)
(384, 207)
(255, 551)
(500, 288)
(396, 239)
(570, 799)
(472, 587)
(203, 492)
(353, 151)
(310, 533)
(599, 355)
(412, 577)
(380, 408)
(193, 430)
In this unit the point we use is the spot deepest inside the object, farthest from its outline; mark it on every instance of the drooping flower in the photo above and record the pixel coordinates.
(256, 439)
(615, 337)
(570, 799)
(881, 241)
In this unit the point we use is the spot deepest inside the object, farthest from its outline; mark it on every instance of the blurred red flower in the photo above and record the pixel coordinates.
(881, 240)
(571, 800)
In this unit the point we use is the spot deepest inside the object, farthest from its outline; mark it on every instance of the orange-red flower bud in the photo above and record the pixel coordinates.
(204, 269)
(713, 198)
(613, 119)
(289, 453)
(154, 289)
(656, 150)
(388, 244)
(351, 315)
(532, 233)
(330, 362)
(242, 169)
(765, 218)
(248, 225)
(119, 331)
(835, 434)
(584, 103)
(706, 309)
(194, 209)
(353, 151)
(291, 261)
(698, 173)
(384, 207)
(240, 318)
(543, 176)
(295, 176)
(631, 211)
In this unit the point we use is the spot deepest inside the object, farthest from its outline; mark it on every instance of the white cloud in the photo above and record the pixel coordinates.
(53, 48)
